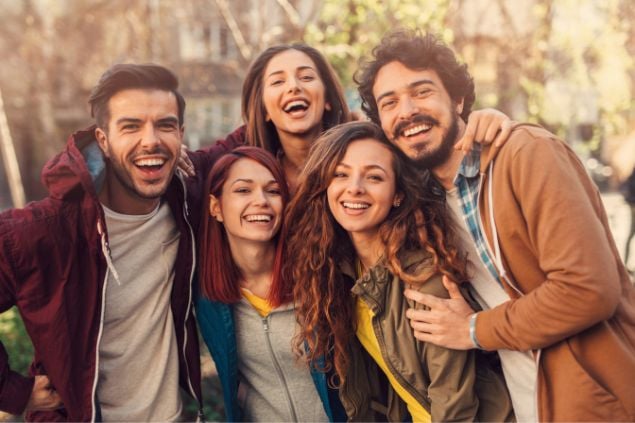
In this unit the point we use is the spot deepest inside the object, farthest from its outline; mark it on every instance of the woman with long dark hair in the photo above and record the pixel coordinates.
(361, 227)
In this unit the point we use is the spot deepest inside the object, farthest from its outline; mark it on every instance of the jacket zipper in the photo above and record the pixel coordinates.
(509, 282)
(200, 416)
(101, 325)
(265, 324)
(404, 384)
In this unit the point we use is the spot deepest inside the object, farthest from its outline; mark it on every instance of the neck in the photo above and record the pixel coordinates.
(446, 171)
(368, 247)
(296, 149)
(255, 261)
(120, 199)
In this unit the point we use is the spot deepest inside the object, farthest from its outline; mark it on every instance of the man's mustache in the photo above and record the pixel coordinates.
(415, 120)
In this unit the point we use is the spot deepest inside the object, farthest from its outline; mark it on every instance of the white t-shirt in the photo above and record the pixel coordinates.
(138, 354)
(519, 367)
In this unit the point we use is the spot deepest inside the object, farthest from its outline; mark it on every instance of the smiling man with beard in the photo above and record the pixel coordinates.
(101, 269)
(558, 305)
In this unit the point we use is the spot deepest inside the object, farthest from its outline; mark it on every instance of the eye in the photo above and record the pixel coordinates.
(274, 190)
(167, 126)
(242, 190)
(276, 82)
(421, 92)
(387, 104)
(129, 127)
(307, 78)
(375, 177)
(339, 174)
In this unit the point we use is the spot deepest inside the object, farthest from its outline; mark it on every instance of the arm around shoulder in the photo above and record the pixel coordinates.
(560, 250)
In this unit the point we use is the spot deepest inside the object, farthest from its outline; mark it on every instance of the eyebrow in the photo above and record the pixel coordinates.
(251, 181)
(299, 68)
(410, 86)
(169, 119)
(367, 167)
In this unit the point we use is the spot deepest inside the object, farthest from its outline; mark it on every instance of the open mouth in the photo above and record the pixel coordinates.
(265, 218)
(296, 106)
(416, 130)
(355, 206)
(150, 164)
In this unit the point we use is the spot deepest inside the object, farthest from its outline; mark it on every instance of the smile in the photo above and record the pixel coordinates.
(415, 130)
(296, 105)
(258, 218)
(356, 206)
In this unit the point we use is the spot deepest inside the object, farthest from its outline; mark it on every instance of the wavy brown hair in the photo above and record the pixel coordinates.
(262, 133)
(316, 244)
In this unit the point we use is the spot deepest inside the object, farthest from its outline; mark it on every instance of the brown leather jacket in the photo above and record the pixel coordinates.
(451, 385)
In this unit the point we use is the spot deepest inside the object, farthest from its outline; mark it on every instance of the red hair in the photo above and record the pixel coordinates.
(219, 274)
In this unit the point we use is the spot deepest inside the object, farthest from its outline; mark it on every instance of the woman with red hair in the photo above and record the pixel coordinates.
(245, 314)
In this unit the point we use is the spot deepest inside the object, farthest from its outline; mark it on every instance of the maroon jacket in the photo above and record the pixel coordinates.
(53, 268)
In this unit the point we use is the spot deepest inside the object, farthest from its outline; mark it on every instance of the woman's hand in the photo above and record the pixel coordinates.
(485, 126)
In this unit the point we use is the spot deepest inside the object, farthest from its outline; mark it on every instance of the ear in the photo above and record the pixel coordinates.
(327, 106)
(102, 140)
(459, 106)
(214, 208)
(182, 131)
(267, 117)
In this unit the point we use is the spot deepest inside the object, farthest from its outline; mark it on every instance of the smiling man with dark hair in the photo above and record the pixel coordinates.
(101, 270)
(558, 304)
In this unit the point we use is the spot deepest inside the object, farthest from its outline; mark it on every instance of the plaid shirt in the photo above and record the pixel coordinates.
(467, 182)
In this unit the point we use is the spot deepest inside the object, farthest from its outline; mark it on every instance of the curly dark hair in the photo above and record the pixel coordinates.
(316, 244)
(416, 51)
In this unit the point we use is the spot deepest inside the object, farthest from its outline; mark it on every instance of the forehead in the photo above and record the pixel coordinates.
(395, 77)
(367, 152)
(143, 102)
(246, 168)
(289, 61)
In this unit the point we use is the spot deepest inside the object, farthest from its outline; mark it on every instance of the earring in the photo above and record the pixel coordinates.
(397, 202)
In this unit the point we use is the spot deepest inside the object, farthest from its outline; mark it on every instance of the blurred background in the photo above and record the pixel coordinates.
(565, 64)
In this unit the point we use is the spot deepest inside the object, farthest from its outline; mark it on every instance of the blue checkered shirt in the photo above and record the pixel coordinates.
(467, 182)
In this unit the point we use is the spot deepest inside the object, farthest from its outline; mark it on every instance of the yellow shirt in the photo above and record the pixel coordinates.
(367, 338)
(261, 305)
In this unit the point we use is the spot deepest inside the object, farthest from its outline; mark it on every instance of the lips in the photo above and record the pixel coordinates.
(258, 218)
(419, 124)
(355, 205)
(295, 106)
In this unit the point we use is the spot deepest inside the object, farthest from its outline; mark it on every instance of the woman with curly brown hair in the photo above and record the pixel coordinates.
(362, 226)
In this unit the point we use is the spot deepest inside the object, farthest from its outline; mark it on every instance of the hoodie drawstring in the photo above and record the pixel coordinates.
(106, 251)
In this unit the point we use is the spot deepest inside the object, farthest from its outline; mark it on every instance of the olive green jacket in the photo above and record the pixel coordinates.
(451, 385)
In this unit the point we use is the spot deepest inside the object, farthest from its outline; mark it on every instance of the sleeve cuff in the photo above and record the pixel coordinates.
(16, 393)
(473, 332)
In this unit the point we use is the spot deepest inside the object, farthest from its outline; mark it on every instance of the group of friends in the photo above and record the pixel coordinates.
(372, 270)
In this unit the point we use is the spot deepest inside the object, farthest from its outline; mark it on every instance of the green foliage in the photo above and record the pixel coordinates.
(16, 341)
(348, 30)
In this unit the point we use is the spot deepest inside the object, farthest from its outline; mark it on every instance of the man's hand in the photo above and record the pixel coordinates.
(447, 323)
(485, 126)
(184, 163)
(43, 396)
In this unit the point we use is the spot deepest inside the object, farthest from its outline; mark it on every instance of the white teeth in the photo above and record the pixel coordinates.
(417, 129)
(150, 162)
(258, 218)
(355, 205)
(296, 103)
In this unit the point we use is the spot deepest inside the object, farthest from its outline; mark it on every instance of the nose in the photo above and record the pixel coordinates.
(407, 107)
(150, 137)
(260, 198)
(355, 186)
(293, 84)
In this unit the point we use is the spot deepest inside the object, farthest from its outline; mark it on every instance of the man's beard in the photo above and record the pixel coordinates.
(429, 159)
